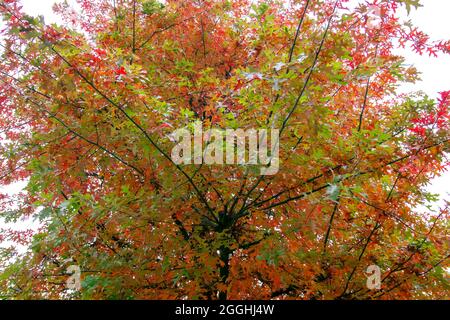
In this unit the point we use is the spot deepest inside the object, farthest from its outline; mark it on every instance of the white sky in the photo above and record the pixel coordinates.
(432, 18)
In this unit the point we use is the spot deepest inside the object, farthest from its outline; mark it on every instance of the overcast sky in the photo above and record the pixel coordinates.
(432, 18)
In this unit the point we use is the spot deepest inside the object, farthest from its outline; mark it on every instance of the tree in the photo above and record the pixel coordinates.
(87, 109)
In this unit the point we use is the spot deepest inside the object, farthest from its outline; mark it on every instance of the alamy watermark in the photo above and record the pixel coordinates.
(228, 146)
(374, 277)
(74, 280)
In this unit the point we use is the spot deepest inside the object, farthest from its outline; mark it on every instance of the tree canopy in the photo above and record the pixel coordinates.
(88, 106)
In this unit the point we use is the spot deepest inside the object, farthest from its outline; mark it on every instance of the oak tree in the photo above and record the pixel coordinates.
(87, 112)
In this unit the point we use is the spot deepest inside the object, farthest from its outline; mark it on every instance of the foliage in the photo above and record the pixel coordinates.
(87, 109)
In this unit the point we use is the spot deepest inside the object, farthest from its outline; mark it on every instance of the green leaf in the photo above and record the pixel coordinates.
(409, 4)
